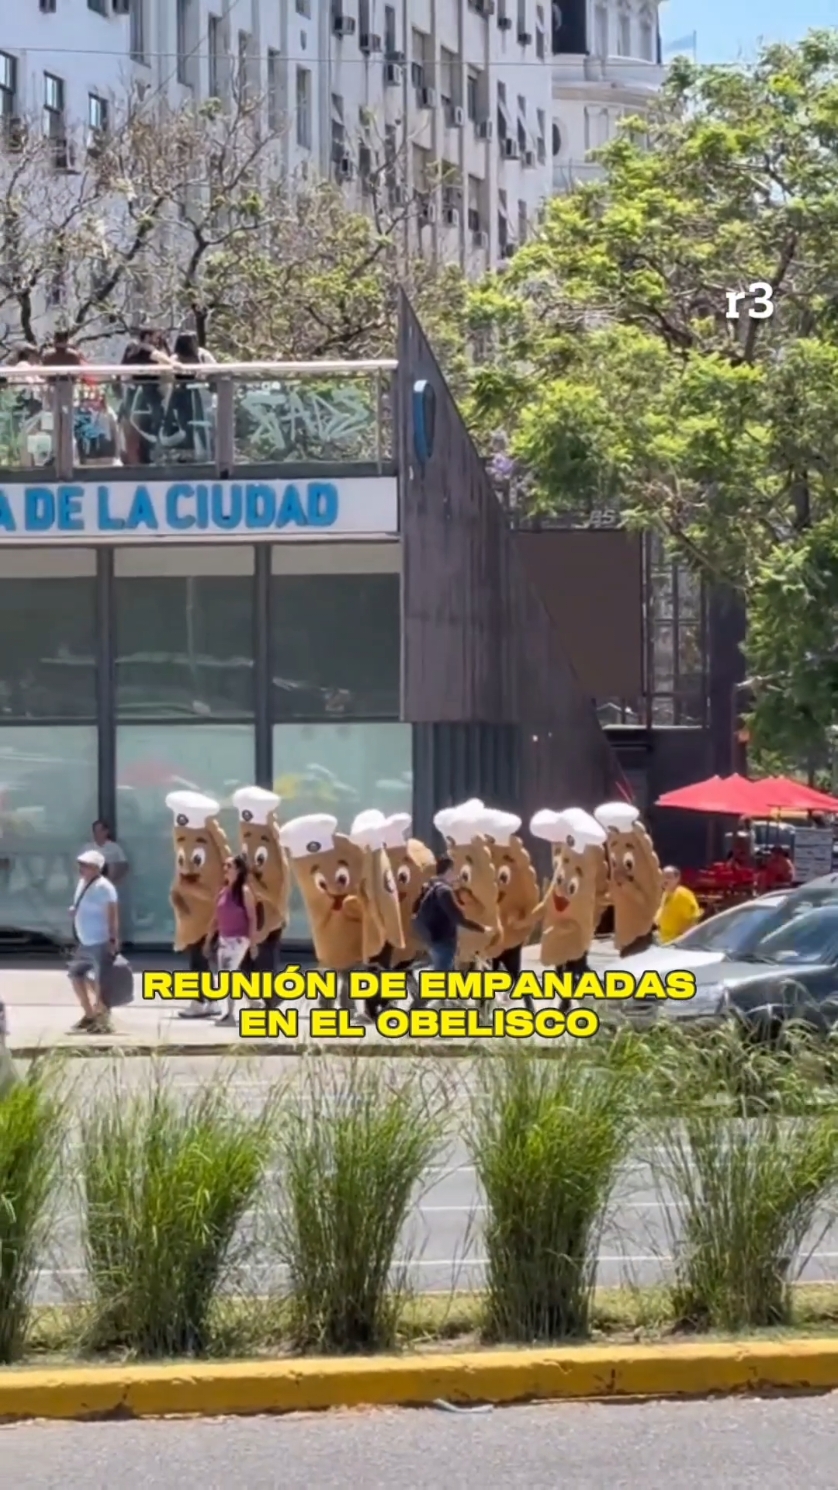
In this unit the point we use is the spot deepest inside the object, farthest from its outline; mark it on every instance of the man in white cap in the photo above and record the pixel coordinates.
(95, 913)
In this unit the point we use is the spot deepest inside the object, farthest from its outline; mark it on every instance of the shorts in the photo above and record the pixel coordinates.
(90, 962)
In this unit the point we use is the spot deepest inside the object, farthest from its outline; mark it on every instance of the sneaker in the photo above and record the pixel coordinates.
(83, 1025)
(196, 1011)
(101, 1025)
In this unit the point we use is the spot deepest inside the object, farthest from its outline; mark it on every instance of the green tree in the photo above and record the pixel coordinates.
(622, 382)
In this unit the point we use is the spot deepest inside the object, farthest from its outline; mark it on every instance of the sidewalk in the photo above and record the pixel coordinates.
(41, 1010)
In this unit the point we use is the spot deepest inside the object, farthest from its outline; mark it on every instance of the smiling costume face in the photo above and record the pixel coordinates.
(636, 877)
(328, 868)
(201, 849)
(475, 886)
(413, 865)
(571, 905)
(382, 919)
(270, 874)
(517, 884)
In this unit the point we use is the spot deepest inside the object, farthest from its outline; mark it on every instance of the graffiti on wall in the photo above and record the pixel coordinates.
(306, 421)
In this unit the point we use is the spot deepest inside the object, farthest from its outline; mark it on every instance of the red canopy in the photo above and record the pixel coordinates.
(728, 796)
(782, 794)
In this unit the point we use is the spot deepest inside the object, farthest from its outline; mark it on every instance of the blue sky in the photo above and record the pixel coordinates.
(732, 29)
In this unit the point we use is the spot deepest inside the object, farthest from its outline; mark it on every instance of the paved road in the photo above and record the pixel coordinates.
(734, 1445)
(443, 1239)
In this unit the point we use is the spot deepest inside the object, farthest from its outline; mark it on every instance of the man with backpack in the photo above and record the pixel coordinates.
(438, 918)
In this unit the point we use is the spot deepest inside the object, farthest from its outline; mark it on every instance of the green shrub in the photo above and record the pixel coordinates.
(166, 1185)
(31, 1139)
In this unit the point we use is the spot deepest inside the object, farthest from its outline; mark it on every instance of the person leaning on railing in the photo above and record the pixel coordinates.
(143, 406)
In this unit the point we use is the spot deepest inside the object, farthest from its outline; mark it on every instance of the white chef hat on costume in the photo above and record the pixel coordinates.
(461, 825)
(255, 805)
(397, 829)
(580, 829)
(191, 809)
(499, 825)
(547, 825)
(369, 829)
(621, 816)
(313, 834)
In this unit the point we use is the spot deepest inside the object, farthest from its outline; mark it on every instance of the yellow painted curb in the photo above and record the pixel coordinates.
(491, 1376)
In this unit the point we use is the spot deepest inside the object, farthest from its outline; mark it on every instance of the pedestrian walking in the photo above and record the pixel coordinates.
(439, 919)
(95, 913)
(234, 927)
(679, 909)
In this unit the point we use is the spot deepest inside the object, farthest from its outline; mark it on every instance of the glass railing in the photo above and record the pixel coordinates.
(64, 421)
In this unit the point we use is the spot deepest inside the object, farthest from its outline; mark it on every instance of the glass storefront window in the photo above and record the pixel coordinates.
(335, 646)
(48, 625)
(340, 769)
(153, 760)
(48, 801)
(184, 641)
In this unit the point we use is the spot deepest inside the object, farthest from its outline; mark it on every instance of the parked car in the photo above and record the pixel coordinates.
(790, 974)
(711, 941)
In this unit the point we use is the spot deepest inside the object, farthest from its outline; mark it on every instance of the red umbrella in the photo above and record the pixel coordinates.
(783, 794)
(727, 796)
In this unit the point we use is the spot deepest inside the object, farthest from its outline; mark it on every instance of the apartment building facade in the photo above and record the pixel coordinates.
(459, 117)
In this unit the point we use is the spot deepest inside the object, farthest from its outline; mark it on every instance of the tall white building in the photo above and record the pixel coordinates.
(472, 110)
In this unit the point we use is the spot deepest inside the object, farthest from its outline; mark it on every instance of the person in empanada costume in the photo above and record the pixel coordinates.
(270, 873)
(382, 917)
(413, 866)
(570, 909)
(328, 868)
(201, 851)
(518, 892)
(476, 886)
(636, 876)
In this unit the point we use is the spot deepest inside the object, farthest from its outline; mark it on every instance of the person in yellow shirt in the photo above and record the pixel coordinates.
(679, 909)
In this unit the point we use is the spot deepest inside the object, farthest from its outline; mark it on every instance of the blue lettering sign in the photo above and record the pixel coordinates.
(7, 521)
(259, 506)
(39, 509)
(107, 523)
(142, 514)
(202, 505)
(291, 510)
(232, 519)
(70, 515)
(175, 517)
(322, 504)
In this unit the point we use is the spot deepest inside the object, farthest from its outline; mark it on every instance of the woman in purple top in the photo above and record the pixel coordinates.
(234, 925)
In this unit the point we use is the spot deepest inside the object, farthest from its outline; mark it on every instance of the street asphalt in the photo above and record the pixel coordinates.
(739, 1444)
(442, 1245)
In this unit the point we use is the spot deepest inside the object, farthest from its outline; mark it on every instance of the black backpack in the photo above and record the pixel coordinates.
(431, 920)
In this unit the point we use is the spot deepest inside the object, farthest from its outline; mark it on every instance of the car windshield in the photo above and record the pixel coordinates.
(732, 931)
(811, 937)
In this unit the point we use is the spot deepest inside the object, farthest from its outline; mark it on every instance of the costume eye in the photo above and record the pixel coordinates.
(181, 860)
(504, 875)
(573, 885)
(320, 882)
(465, 875)
(403, 875)
(199, 858)
(342, 878)
(260, 858)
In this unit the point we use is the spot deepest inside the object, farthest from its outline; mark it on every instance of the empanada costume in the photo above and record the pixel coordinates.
(328, 868)
(570, 909)
(636, 876)
(413, 866)
(517, 888)
(201, 850)
(475, 887)
(381, 911)
(270, 872)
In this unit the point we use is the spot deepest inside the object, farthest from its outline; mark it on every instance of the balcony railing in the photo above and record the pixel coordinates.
(67, 421)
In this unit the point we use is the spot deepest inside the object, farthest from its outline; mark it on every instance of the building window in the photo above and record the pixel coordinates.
(183, 19)
(390, 39)
(54, 122)
(335, 646)
(97, 115)
(522, 222)
(8, 86)
(243, 69)
(601, 30)
(215, 50)
(502, 116)
(625, 34)
(100, 6)
(50, 672)
(137, 42)
(304, 8)
(646, 39)
(303, 108)
(522, 123)
(471, 95)
(539, 32)
(274, 93)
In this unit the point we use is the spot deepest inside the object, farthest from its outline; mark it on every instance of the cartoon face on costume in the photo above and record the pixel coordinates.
(267, 860)
(517, 885)
(636, 877)
(413, 865)
(570, 908)
(379, 896)
(200, 848)
(475, 885)
(328, 868)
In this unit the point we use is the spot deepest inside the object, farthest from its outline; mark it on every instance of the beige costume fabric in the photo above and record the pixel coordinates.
(517, 884)
(476, 886)
(413, 866)
(636, 877)
(201, 849)
(570, 908)
(381, 911)
(328, 868)
(270, 873)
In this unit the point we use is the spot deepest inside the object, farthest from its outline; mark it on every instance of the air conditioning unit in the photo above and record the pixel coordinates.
(369, 43)
(456, 117)
(451, 217)
(121, 7)
(504, 23)
(427, 214)
(343, 26)
(64, 156)
(485, 129)
(529, 159)
(392, 75)
(397, 57)
(510, 150)
(427, 98)
(365, 160)
(480, 239)
(346, 168)
(14, 132)
(95, 143)
(525, 38)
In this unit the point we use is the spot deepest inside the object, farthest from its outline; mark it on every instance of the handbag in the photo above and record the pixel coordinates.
(117, 983)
